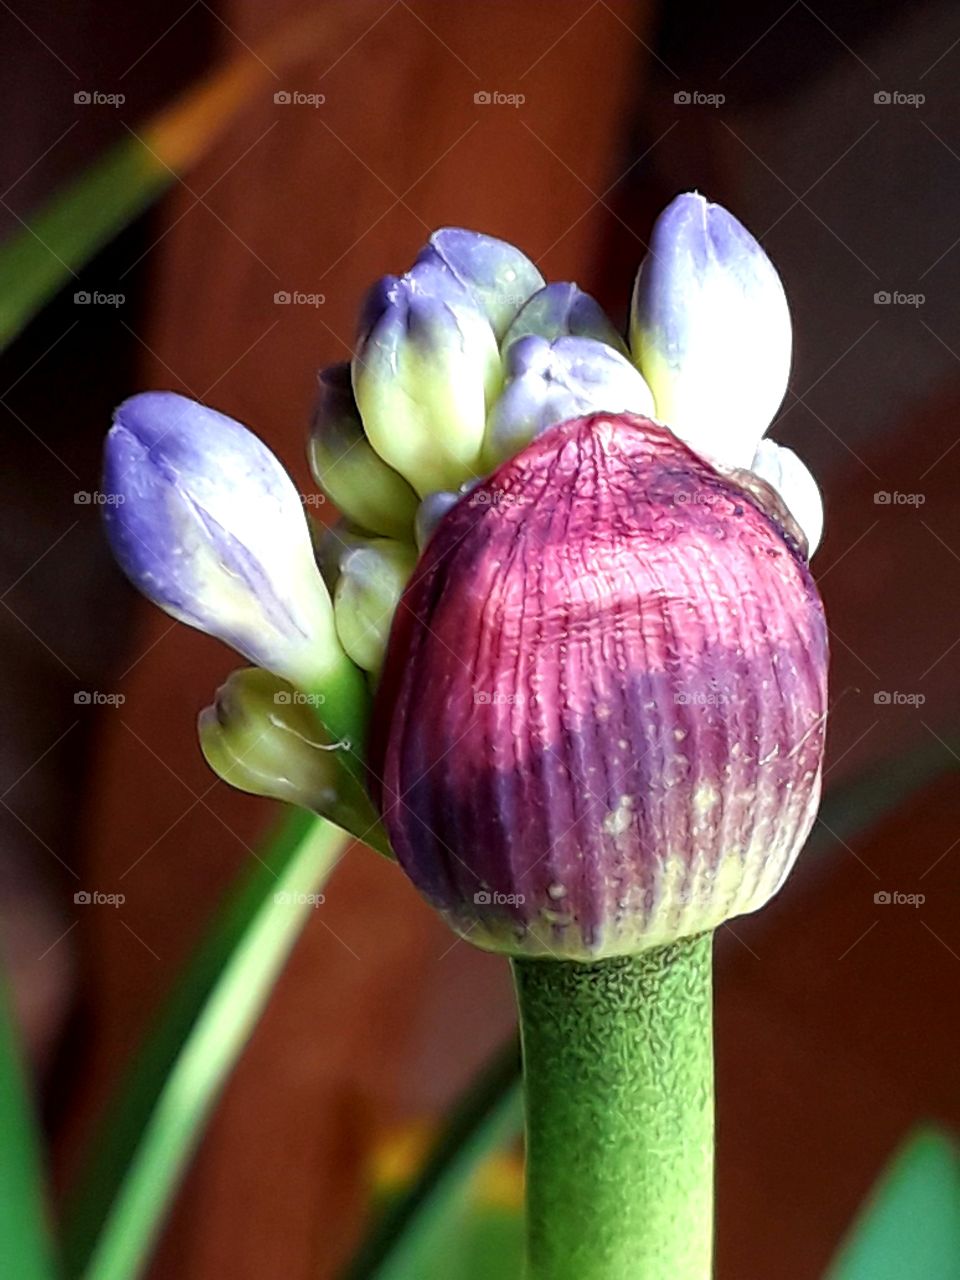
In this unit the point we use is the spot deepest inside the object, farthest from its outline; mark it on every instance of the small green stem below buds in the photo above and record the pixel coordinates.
(618, 1080)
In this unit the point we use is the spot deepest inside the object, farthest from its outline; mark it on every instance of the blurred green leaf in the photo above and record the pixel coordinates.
(66, 233)
(492, 1245)
(25, 1245)
(856, 805)
(909, 1228)
(145, 1140)
(411, 1240)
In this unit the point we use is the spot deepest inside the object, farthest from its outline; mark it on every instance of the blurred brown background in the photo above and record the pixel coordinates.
(834, 1019)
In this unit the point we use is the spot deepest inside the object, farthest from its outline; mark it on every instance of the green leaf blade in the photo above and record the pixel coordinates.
(909, 1228)
(147, 1137)
(26, 1248)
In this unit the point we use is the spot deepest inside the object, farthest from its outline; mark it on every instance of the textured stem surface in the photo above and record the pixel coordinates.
(618, 1076)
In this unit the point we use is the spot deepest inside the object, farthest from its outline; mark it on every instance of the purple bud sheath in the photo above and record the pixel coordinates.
(601, 720)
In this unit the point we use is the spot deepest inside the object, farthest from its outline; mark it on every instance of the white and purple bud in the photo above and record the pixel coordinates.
(710, 330)
(426, 370)
(562, 310)
(346, 467)
(498, 277)
(207, 524)
(798, 490)
(628, 750)
(373, 574)
(551, 382)
(430, 512)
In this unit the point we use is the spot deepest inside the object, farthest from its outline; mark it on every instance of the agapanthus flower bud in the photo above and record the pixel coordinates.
(792, 480)
(263, 736)
(331, 543)
(498, 276)
(423, 376)
(562, 310)
(629, 748)
(209, 526)
(348, 469)
(549, 382)
(372, 577)
(430, 512)
(710, 330)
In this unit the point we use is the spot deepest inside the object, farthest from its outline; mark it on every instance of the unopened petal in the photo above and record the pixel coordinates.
(710, 330)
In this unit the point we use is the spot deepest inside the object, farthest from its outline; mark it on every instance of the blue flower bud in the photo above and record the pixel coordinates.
(430, 512)
(352, 475)
(496, 275)
(207, 524)
(424, 375)
(564, 311)
(551, 382)
(331, 543)
(792, 480)
(710, 330)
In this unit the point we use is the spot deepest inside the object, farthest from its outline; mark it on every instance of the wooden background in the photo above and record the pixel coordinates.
(832, 1039)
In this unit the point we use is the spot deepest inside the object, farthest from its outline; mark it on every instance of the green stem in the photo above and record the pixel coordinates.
(618, 1080)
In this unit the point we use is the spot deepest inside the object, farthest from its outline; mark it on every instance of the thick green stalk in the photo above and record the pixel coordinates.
(618, 1082)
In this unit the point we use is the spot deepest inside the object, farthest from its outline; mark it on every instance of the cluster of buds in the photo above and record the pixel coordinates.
(563, 649)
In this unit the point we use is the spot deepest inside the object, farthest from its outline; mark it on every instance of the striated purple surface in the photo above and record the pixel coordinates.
(600, 725)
